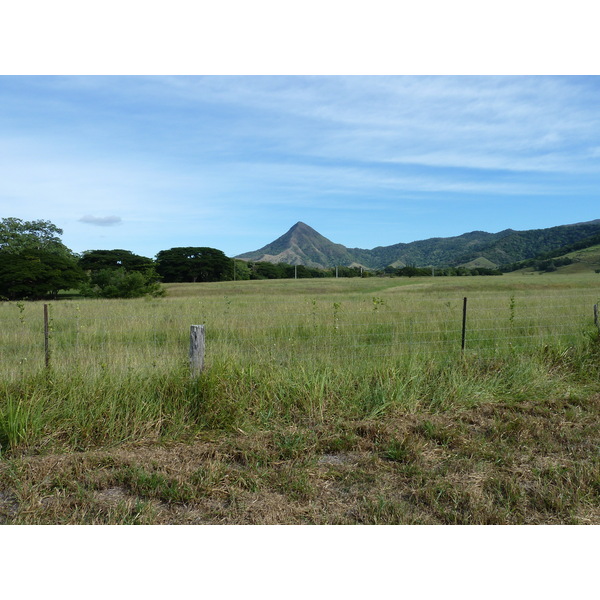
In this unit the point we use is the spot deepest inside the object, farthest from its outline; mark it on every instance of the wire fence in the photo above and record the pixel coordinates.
(245, 331)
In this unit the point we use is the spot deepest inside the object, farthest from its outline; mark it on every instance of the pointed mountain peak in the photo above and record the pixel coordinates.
(302, 245)
(300, 226)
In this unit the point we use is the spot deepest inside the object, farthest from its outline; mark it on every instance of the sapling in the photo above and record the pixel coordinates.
(377, 302)
(336, 314)
(511, 308)
(21, 307)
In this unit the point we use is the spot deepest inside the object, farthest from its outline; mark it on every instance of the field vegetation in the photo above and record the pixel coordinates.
(322, 401)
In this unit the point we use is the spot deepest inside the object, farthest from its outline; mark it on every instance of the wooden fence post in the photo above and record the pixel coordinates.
(464, 325)
(596, 323)
(46, 337)
(197, 348)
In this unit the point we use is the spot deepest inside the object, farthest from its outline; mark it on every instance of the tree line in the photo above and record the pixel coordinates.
(412, 271)
(35, 264)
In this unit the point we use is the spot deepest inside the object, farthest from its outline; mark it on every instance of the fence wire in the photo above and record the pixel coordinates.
(240, 330)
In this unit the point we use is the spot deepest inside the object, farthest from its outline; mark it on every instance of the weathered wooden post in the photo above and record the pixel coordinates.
(197, 348)
(596, 323)
(46, 336)
(464, 325)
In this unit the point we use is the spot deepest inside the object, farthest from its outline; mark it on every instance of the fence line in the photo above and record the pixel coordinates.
(71, 337)
(545, 309)
(326, 306)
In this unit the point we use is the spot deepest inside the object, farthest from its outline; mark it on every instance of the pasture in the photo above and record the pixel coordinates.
(313, 391)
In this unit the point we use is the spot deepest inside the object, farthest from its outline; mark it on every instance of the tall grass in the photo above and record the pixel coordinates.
(289, 351)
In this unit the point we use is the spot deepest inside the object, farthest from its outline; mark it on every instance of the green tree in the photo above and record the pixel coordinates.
(267, 270)
(34, 263)
(241, 270)
(119, 274)
(33, 274)
(412, 271)
(17, 235)
(96, 260)
(192, 264)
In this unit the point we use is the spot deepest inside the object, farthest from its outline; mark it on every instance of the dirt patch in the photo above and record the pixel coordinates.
(9, 506)
(336, 459)
(113, 495)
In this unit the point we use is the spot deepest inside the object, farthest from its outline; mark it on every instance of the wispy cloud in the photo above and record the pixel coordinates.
(194, 157)
(101, 221)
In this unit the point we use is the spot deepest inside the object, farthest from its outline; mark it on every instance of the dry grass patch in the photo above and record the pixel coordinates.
(499, 463)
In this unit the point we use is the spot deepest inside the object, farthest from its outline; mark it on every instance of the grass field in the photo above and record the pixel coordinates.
(323, 401)
(583, 260)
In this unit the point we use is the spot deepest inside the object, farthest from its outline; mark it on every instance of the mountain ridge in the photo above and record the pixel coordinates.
(303, 245)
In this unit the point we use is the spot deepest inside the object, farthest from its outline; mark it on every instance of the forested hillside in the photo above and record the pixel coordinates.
(302, 245)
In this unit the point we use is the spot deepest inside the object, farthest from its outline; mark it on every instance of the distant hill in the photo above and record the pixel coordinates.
(583, 255)
(587, 259)
(479, 263)
(302, 245)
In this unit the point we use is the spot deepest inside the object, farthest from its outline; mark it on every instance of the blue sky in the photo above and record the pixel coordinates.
(148, 163)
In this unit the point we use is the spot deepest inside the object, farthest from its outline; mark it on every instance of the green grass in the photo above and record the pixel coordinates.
(583, 260)
(300, 372)
(288, 351)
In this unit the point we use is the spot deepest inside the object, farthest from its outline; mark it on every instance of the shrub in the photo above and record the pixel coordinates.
(119, 283)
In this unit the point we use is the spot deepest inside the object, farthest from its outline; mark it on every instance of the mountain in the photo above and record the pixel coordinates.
(302, 245)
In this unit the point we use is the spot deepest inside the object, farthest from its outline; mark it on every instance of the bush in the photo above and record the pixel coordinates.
(119, 283)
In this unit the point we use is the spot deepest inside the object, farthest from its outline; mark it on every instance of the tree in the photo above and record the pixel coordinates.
(412, 271)
(33, 261)
(193, 264)
(96, 260)
(34, 274)
(347, 271)
(119, 274)
(241, 270)
(17, 235)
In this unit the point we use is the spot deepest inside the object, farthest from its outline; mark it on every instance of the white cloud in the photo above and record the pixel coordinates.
(101, 221)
